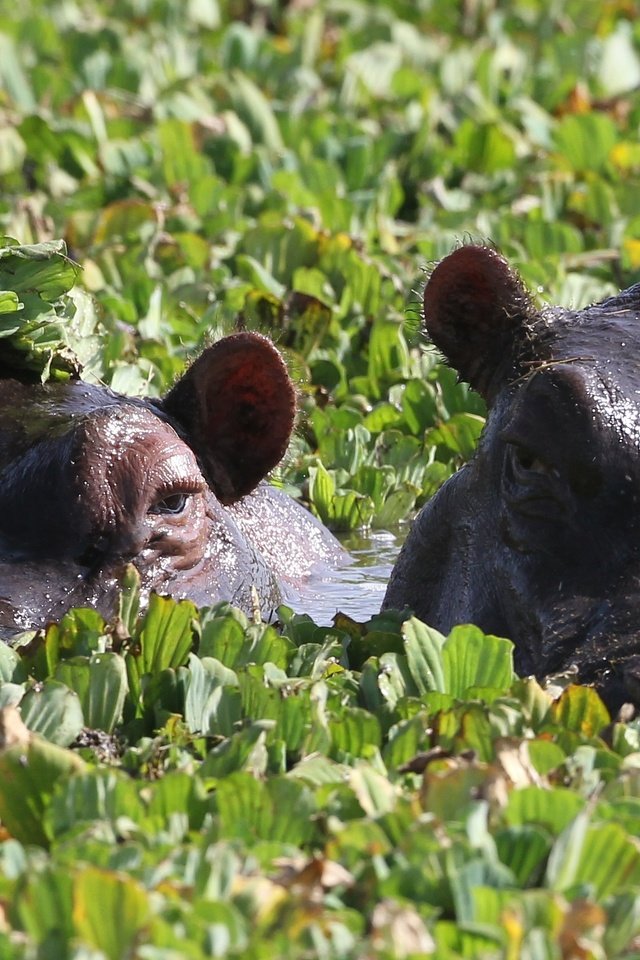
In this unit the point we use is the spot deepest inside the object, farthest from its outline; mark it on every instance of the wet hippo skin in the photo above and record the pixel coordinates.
(91, 480)
(537, 538)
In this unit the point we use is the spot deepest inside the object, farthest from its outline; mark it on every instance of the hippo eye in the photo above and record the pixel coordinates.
(525, 461)
(172, 504)
(171, 495)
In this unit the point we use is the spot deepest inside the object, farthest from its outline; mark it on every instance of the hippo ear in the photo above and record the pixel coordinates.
(475, 308)
(236, 404)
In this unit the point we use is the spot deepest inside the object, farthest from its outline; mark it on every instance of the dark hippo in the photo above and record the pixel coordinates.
(538, 537)
(90, 480)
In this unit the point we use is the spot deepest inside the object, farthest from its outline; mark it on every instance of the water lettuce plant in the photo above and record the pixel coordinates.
(275, 790)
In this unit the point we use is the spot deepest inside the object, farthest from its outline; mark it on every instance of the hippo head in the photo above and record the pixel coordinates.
(91, 480)
(538, 537)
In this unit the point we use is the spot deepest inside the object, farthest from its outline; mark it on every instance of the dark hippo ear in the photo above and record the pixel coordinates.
(475, 307)
(236, 404)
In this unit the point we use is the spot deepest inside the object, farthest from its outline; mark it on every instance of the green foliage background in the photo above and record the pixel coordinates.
(298, 166)
(363, 791)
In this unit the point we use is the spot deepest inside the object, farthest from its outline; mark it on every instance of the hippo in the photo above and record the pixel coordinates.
(91, 480)
(537, 538)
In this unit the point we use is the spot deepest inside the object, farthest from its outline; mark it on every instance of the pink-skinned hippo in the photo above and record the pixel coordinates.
(537, 538)
(91, 480)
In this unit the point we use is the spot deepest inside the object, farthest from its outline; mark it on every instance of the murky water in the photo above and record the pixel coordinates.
(356, 589)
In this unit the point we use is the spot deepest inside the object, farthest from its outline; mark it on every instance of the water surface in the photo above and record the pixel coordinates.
(357, 588)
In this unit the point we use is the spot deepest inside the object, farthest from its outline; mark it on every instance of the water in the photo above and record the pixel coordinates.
(357, 588)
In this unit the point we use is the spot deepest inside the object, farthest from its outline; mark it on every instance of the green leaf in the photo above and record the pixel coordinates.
(243, 750)
(129, 599)
(46, 905)
(584, 141)
(93, 796)
(473, 659)
(317, 770)
(28, 775)
(250, 809)
(213, 703)
(350, 510)
(254, 109)
(382, 416)
(322, 490)
(459, 435)
(223, 634)
(41, 268)
(101, 685)
(552, 809)
(10, 664)
(14, 78)
(524, 850)
(623, 922)
(54, 711)
(165, 635)
(179, 795)
(253, 271)
(397, 506)
(580, 709)
(227, 636)
(9, 303)
(374, 481)
(599, 856)
(419, 406)
(375, 794)
(484, 147)
(543, 238)
(449, 794)
(354, 733)
(163, 640)
(183, 164)
(545, 755)
(388, 353)
(423, 647)
(110, 911)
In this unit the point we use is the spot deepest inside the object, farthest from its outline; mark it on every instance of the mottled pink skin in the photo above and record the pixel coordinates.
(537, 538)
(90, 481)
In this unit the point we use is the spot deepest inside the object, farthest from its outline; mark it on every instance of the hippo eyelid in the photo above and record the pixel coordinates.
(173, 499)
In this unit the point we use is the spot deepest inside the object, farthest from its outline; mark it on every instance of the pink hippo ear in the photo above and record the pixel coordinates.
(236, 405)
(476, 311)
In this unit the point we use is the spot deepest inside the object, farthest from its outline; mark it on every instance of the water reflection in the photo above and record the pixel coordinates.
(358, 588)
